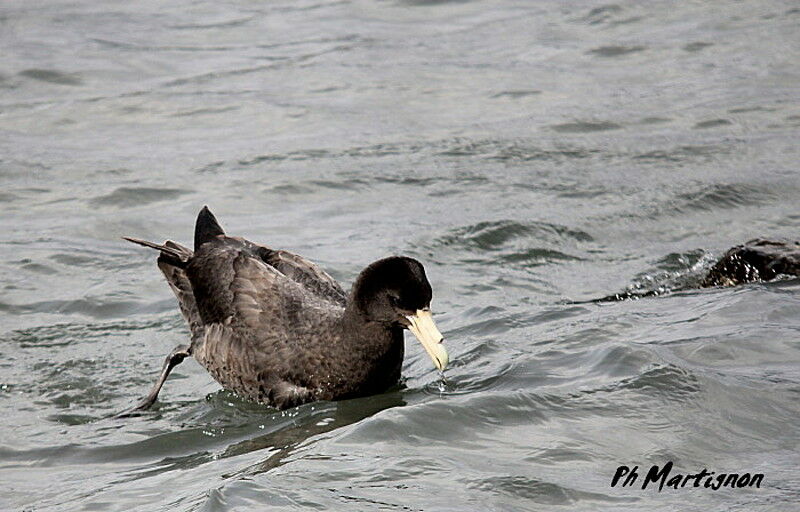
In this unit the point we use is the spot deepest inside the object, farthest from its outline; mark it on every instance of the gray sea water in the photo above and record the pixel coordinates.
(533, 155)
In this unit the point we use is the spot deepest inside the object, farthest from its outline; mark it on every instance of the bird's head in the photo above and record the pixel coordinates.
(395, 291)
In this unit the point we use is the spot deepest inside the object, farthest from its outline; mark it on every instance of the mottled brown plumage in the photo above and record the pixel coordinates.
(274, 327)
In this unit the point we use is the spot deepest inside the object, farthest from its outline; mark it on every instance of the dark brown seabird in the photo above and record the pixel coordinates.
(272, 326)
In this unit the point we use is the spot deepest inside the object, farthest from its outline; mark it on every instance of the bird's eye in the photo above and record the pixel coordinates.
(394, 300)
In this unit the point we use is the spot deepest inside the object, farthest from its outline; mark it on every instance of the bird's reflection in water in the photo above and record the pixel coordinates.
(310, 420)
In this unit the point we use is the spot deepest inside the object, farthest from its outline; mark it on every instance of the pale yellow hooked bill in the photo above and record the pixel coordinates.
(426, 332)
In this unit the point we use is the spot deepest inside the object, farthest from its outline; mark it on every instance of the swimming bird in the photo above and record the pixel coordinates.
(273, 327)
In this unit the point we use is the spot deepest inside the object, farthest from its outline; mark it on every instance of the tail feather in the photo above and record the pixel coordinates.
(171, 252)
(206, 228)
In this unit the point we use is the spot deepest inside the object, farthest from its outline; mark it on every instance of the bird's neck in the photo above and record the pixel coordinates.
(374, 343)
(363, 329)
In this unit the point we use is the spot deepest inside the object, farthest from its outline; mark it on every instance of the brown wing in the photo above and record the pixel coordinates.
(298, 269)
(172, 261)
(182, 288)
(308, 274)
(262, 328)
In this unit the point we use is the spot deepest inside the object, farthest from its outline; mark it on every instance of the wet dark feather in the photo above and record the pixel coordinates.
(273, 326)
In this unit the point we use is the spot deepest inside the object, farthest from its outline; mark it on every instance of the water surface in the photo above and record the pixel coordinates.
(534, 155)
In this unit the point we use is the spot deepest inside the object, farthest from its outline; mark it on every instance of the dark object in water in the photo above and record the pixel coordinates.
(274, 327)
(756, 260)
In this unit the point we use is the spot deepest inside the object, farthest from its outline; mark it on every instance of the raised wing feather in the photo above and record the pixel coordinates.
(304, 272)
(307, 274)
(182, 288)
(265, 298)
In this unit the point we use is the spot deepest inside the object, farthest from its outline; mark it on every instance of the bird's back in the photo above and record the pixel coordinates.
(260, 318)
